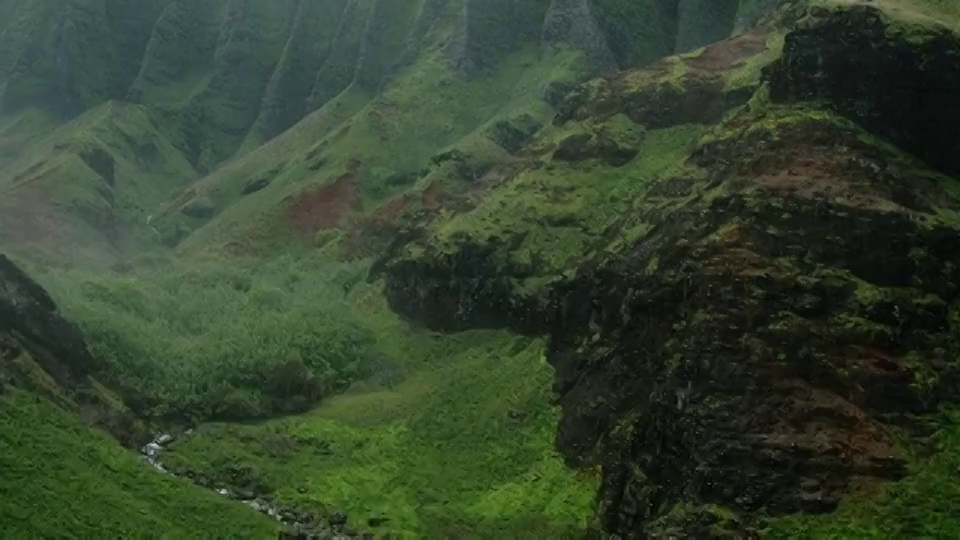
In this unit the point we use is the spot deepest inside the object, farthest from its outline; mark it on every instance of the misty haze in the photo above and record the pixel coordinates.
(480, 269)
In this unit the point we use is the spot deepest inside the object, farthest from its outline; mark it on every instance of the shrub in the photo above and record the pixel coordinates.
(220, 340)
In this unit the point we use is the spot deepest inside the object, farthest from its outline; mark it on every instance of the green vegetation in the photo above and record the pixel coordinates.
(442, 435)
(923, 505)
(563, 208)
(60, 479)
(463, 446)
(322, 397)
(922, 15)
(395, 133)
(229, 341)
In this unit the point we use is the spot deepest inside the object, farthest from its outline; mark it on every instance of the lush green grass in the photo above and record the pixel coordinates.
(461, 447)
(448, 435)
(220, 339)
(87, 190)
(910, 21)
(60, 479)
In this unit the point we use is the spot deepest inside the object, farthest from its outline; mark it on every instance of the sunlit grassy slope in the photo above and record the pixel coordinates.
(61, 479)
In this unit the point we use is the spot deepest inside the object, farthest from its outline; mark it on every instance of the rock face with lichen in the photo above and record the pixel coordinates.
(29, 323)
(916, 107)
(784, 315)
(44, 353)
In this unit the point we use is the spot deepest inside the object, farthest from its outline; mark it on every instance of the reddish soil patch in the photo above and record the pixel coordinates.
(392, 209)
(433, 196)
(729, 53)
(656, 70)
(811, 180)
(326, 207)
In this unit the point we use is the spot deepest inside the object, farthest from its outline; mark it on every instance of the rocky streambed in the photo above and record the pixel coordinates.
(299, 524)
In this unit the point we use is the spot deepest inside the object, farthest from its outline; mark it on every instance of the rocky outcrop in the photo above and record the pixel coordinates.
(781, 322)
(43, 353)
(756, 351)
(512, 134)
(901, 83)
(30, 323)
(657, 97)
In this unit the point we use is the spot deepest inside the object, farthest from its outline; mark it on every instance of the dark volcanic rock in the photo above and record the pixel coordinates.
(576, 147)
(754, 349)
(555, 92)
(513, 134)
(900, 87)
(29, 321)
(656, 98)
(784, 315)
(32, 331)
(615, 151)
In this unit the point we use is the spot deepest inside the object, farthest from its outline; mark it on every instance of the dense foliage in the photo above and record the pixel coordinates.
(461, 447)
(217, 340)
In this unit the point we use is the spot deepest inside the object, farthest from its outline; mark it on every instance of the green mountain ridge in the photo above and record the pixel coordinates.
(486, 269)
(221, 78)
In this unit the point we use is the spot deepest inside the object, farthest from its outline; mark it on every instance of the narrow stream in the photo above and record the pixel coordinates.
(301, 524)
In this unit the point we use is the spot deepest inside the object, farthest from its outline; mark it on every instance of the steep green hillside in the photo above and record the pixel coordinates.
(86, 191)
(216, 79)
(59, 478)
(487, 269)
(59, 475)
(434, 435)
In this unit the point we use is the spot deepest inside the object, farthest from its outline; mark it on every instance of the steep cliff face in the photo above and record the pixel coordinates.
(67, 57)
(703, 21)
(572, 22)
(760, 315)
(30, 324)
(915, 109)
